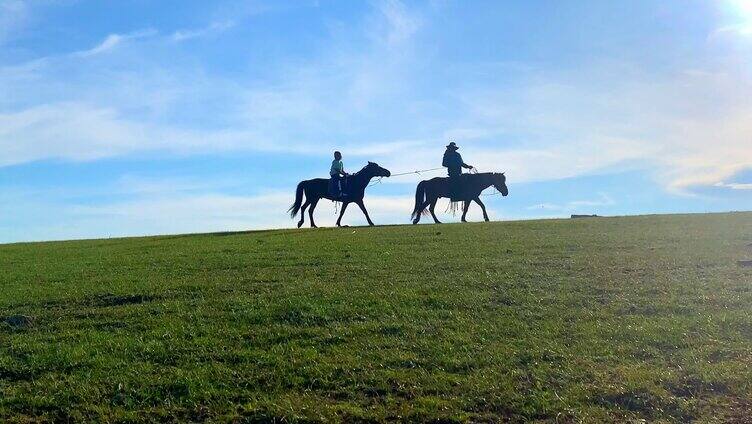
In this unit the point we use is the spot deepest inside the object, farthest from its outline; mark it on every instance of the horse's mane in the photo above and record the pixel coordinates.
(364, 168)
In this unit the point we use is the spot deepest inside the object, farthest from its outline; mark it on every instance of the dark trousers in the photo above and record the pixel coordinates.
(336, 185)
(455, 183)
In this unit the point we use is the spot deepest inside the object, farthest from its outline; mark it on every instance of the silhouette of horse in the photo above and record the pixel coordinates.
(470, 186)
(318, 188)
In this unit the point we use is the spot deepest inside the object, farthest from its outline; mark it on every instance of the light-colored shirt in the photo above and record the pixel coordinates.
(337, 168)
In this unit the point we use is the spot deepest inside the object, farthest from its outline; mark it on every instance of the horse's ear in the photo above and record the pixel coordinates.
(502, 173)
(370, 163)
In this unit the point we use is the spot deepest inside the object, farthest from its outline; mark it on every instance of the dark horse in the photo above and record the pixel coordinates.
(318, 188)
(470, 187)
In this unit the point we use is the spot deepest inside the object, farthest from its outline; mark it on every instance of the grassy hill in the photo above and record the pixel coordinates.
(601, 319)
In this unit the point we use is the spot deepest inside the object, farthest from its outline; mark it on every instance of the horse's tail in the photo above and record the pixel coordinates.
(420, 198)
(298, 200)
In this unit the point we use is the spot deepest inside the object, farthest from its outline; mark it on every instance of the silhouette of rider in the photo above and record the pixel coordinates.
(454, 164)
(337, 174)
(453, 161)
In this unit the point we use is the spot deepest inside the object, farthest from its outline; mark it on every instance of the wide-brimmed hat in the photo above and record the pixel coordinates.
(452, 146)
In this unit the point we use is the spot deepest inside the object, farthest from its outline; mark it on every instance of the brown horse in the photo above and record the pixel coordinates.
(318, 188)
(469, 187)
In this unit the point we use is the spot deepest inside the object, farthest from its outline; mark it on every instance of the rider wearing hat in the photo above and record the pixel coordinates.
(454, 164)
(453, 161)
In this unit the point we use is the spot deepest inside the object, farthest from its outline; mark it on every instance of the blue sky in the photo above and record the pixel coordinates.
(142, 117)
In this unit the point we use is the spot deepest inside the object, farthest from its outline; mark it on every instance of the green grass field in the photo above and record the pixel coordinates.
(595, 320)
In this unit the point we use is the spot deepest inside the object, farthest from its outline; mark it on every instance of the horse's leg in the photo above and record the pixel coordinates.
(431, 208)
(365, 212)
(422, 208)
(342, 212)
(465, 207)
(483, 208)
(302, 212)
(310, 212)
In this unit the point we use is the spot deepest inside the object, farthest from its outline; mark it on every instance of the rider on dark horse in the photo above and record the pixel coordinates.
(337, 174)
(454, 164)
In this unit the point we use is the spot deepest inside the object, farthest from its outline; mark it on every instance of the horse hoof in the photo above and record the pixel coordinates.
(300, 224)
(415, 222)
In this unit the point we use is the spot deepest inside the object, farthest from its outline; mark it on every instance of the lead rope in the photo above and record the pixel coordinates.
(417, 171)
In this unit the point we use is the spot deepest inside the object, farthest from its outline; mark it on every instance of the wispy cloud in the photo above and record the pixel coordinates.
(156, 212)
(400, 23)
(734, 186)
(739, 29)
(114, 40)
(214, 28)
(604, 200)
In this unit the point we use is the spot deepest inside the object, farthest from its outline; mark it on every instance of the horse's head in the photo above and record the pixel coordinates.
(377, 171)
(500, 183)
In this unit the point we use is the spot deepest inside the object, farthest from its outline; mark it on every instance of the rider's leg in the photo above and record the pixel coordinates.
(310, 212)
(454, 185)
(332, 187)
(365, 212)
(465, 207)
(342, 212)
(483, 208)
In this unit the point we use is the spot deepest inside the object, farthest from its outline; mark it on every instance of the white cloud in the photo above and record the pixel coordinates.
(82, 132)
(734, 186)
(214, 28)
(108, 43)
(549, 206)
(685, 129)
(741, 30)
(114, 40)
(576, 205)
(401, 24)
(738, 20)
(156, 212)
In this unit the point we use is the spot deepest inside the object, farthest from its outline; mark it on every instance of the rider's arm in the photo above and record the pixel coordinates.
(466, 166)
